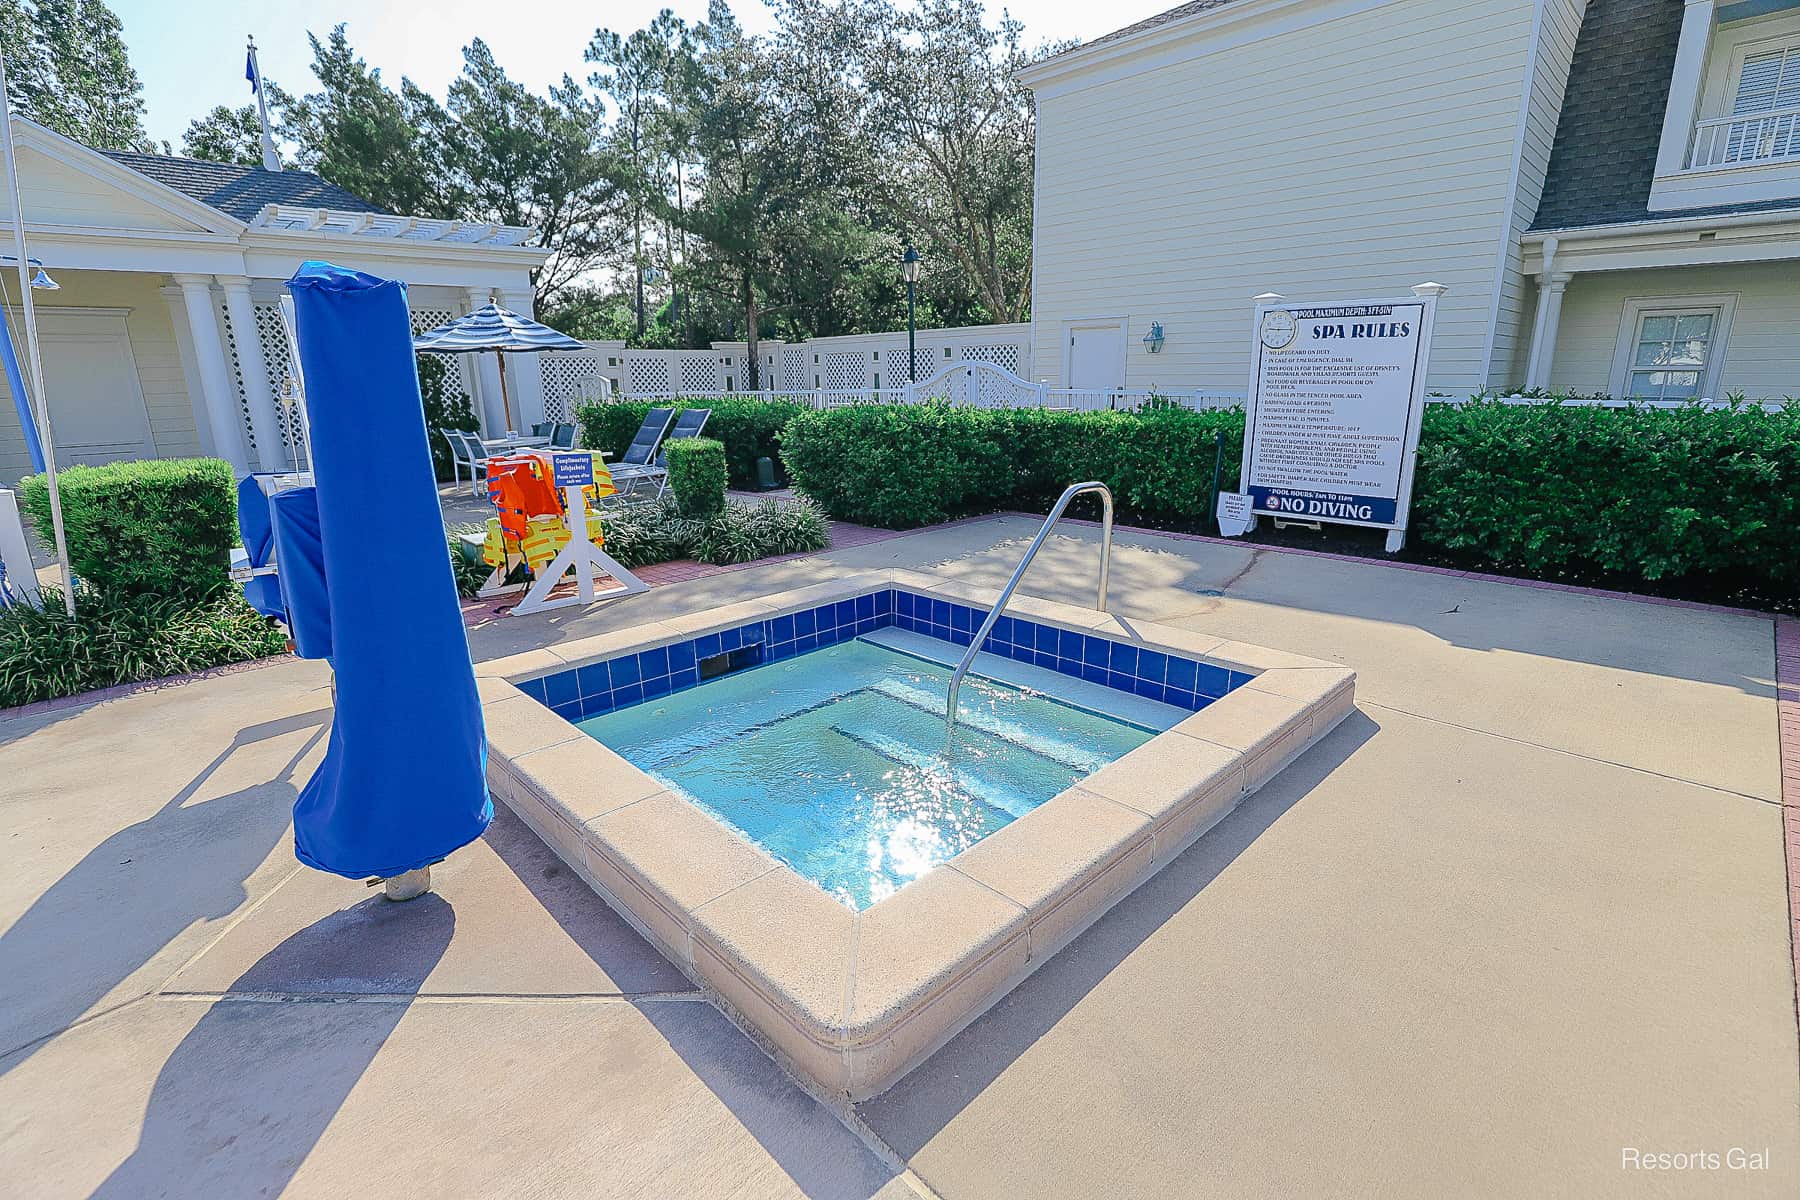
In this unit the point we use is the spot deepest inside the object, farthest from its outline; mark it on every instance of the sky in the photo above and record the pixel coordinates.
(190, 53)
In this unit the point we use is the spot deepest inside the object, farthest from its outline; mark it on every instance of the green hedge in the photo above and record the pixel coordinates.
(900, 466)
(748, 427)
(1543, 490)
(1652, 493)
(697, 476)
(162, 527)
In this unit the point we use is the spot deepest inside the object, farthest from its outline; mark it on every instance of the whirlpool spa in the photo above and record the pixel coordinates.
(774, 795)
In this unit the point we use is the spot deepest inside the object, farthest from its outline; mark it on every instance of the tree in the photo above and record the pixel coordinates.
(67, 68)
(751, 206)
(522, 159)
(384, 146)
(637, 71)
(945, 130)
(234, 135)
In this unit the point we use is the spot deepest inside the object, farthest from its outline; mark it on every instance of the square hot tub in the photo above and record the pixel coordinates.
(771, 794)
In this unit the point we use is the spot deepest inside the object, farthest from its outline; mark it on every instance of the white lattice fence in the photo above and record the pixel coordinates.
(648, 372)
(569, 379)
(700, 373)
(795, 368)
(431, 318)
(845, 369)
(1005, 355)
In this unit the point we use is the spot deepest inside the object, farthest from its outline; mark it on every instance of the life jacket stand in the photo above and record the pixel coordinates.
(585, 558)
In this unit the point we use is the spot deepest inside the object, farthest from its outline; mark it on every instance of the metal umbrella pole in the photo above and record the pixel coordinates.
(45, 435)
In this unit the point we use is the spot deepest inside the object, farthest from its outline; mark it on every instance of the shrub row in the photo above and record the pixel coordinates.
(161, 527)
(900, 466)
(1651, 493)
(738, 532)
(748, 428)
(1542, 490)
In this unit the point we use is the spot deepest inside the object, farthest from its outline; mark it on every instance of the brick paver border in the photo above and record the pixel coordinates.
(1787, 714)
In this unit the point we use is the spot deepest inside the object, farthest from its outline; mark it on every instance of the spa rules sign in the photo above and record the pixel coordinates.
(1336, 396)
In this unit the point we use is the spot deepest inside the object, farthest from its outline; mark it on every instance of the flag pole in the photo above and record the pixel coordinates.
(271, 161)
(45, 435)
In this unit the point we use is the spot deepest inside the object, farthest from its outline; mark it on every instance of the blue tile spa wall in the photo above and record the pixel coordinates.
(583, 692)
(1170, 678)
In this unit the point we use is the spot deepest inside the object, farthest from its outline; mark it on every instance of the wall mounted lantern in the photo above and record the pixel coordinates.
(1153, 341)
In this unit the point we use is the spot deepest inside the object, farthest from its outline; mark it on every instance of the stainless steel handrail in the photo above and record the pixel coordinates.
(987, 626)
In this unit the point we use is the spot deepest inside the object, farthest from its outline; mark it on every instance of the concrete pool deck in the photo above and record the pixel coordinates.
(1524, 909)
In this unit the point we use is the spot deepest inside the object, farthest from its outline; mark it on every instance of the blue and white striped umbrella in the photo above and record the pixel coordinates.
(491, 327)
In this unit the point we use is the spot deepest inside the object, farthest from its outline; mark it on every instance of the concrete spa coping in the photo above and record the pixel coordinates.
(852, 1001)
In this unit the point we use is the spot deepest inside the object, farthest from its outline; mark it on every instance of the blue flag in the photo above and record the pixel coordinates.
(250, 70)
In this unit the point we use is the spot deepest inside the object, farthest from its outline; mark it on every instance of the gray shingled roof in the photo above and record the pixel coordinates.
(1604, 157)
(241, 191)
(1161, 18)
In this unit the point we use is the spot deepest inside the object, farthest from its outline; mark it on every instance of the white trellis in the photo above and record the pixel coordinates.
(273, 335)
(649, 373)
(570, 380)
(237, 378)
(794, 369)
(1001, 354)
(845, 370)
(700, 373)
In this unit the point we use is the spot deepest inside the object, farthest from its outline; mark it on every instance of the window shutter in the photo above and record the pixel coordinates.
(1770, 80)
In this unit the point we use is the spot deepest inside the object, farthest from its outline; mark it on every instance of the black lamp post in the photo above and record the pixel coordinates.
(909, 267)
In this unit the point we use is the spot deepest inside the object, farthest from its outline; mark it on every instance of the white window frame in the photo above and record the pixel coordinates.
(1732, 45)
(1070, 326)
(1723, 306)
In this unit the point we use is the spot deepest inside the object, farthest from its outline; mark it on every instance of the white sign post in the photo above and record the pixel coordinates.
(1337, 392)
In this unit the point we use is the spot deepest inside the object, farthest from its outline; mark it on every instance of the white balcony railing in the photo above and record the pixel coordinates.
(1742, 140)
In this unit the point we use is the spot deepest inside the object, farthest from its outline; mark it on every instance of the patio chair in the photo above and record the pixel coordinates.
(466, 450)
(542, 429)
(638, 463)
(562, 437)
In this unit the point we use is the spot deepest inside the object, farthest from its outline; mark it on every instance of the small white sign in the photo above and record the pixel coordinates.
(1234, 513)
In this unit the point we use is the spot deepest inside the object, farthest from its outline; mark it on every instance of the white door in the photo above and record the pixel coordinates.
(96, 405)
(1097, 355)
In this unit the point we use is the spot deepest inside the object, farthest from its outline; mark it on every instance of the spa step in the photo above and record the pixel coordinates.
(1057, 750)
(912, 758)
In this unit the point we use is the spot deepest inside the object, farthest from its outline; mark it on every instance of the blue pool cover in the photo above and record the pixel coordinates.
(404, 778)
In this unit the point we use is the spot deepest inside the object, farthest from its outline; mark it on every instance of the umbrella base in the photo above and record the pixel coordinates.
(409, 886)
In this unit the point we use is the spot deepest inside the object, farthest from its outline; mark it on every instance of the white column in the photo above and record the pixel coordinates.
(1685, 82)
(263, 419)
(1543, 332)
(215, 373)
(486, 378)
(190, 371)
(525, 372)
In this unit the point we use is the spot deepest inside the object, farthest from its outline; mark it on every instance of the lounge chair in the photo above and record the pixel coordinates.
(638, 463)
(656, 473)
